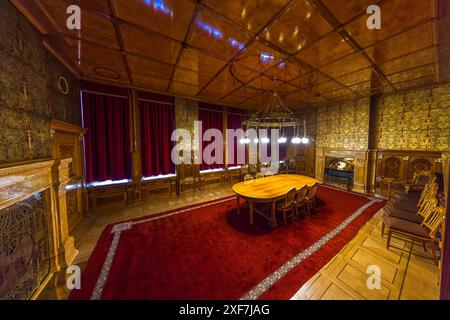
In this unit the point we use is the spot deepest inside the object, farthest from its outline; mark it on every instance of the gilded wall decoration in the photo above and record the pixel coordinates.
(344, 126)
(24, 59)
(24, 248)
(418, 120)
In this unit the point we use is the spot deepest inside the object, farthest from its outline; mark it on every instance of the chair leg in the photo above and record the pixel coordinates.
(383, 226)
(425, 246)
(433, 252)
(284, 217)
(389, 239)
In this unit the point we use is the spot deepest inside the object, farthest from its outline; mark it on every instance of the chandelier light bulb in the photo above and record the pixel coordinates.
(256, 140)
(296, 140)
(305, 140)
(244, 141)
(282, 140)
(265, 140)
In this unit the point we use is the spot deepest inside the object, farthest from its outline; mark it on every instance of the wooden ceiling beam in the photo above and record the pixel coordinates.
(184, 43)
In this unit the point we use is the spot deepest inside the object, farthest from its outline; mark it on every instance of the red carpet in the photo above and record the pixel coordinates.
(209, 252)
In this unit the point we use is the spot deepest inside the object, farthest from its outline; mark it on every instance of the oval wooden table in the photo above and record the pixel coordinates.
(269, 190)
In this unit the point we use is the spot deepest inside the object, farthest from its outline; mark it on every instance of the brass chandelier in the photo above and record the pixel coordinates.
(277, 115)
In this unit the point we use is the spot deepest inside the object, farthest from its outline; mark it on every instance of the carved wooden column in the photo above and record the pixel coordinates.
(360, 173)
(65, 243)
(135, 137)
(320, 164)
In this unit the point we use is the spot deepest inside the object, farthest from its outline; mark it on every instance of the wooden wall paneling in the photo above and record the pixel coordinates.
(49, 178)
(67, 143)
(409, 162)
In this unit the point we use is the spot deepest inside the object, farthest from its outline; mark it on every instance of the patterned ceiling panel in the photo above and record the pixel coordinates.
(252, 15)
(170, 18)
(397, 16)
(149, 45)
(297, 27)
(231, 51)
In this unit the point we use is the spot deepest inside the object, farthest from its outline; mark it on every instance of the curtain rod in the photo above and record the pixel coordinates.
(155, 101)
(105, 94)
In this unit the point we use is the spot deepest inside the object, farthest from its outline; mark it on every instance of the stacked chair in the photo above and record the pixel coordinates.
(415, 215)
(298, 203)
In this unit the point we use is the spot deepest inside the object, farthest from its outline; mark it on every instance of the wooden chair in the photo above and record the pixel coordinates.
(259, 175)
(288, 205)
(231, 174)
(284, 168)
(248, 177)
(410, 202)
(244, 170)
(424, 232)
(311, 199)
(416, 217)
(420, 179)
(292, 167)
(217, 177)
(188, 174)
(300, 202)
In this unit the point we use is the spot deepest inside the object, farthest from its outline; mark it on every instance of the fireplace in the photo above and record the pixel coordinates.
(339, 172)
(357, 158)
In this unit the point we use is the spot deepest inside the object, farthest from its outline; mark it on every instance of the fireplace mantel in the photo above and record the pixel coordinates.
(360, 161)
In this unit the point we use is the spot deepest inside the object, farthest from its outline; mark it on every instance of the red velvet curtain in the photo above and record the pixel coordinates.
(107, 144)
(282, 147)
(210, 120)
(157, 122)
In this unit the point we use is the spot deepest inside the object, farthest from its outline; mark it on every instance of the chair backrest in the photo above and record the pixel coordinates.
(259, 175)
(429, 192)
(244, 169)
(252, 168)
(248, 177)
(434, 220)
(290, 197)
(421, 178)
(427, 207)
(302, 193)
(312, 191)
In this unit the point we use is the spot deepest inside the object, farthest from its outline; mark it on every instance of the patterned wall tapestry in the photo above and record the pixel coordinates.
(418, 120)
(24, 62)
(344, 126)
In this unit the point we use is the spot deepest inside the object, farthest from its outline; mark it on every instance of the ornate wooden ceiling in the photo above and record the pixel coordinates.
(190, 48)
